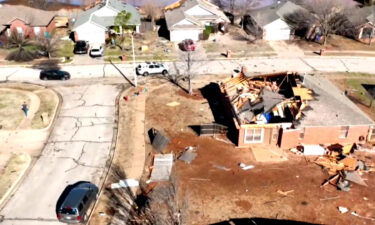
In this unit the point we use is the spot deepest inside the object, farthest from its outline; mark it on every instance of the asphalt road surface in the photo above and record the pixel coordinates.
(77, 150)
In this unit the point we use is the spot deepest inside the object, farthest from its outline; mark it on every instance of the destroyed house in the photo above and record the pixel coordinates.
(287, 109)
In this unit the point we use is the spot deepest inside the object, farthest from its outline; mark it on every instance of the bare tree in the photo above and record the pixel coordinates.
(189, 58)
(40, 4)
(48, 45)
(238, 8)
(152, 11)
(151, 207)
(326, 16)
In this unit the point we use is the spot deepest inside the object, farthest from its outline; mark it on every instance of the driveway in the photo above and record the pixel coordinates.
(77, 150)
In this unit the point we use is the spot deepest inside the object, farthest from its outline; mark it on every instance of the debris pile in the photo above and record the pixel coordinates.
(343, 167)
(270, 98)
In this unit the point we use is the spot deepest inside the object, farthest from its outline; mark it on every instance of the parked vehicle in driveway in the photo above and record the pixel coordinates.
(76, 201)
(54, 74)
(187, 45)
(97, 51)
(151, 68)
(81, 47)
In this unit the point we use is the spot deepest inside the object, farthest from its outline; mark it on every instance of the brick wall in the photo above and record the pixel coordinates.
(29, 31)
(313, 135)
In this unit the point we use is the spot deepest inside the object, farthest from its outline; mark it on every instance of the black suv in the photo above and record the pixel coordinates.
(81, 47)
(74, 202)
(54, 75)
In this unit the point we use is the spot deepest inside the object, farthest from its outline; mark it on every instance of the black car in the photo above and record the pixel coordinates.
(54, 75)
(81, 47)
(75, 201)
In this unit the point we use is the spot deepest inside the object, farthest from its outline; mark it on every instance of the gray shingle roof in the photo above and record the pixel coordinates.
(106, 21)
(331, 107)
(35, 17)
(267, 15)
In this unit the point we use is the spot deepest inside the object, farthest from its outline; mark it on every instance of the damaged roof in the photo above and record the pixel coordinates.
(332, 106)
(291, 98)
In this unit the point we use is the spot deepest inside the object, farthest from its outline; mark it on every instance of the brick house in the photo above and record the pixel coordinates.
(286, 110)
(27, 21)
(364, 22)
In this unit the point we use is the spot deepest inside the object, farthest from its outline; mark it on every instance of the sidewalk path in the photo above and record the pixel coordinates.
(261, 64)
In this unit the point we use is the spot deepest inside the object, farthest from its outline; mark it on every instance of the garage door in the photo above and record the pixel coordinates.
(275, 34)
(91, 37)
(179, 35)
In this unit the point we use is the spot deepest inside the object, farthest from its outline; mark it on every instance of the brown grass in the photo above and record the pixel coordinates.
(10, 109)
(48, 103)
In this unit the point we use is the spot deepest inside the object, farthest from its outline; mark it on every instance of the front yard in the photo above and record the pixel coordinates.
(147, 47)
(218, 45)
(335, 43)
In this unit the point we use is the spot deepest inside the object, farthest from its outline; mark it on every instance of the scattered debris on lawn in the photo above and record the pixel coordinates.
(158, 139)
(245, 167)
(125, 183)
(221, 167)
(343, 209)
(188, 155)
(354, 213)
(285, 193)
(340, 163)
(162, 167)
(212, 129)
(173, 104)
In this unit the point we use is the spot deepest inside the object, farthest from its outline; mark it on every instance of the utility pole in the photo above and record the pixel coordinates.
(135, 73)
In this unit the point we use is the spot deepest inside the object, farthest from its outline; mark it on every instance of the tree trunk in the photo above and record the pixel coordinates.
(190, 89)
(190, 86)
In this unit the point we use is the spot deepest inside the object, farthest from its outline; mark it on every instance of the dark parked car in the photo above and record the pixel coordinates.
(75, 201)
(54, 75)
(81, 47)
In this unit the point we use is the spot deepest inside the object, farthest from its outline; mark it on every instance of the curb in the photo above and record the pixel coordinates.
(17, 180)
(112, 152)
(33, 161)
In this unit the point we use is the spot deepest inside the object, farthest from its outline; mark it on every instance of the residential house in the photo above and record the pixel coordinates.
(287, 109)
(190, 19)
(363, 21)
(94, 25)
(27, 21)
(164, 4)
(270, 20)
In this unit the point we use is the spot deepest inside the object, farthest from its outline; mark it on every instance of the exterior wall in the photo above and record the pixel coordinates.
(267, 138)
(198, 11)
(29, 31)
(322, 135)
(312, 135)
(91, 33)
(182, 34)
(276, 31)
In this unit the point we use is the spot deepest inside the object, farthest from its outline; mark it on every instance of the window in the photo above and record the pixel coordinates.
(19, 30)
(151, 66)
(372, 133)
(254, 135)
(85, 199)
(36, 31)
(344, 130)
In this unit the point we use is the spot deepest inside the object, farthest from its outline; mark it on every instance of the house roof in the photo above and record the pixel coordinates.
(106, 21)
(304, 101)
(158, 3)
(332, 107)
(176, 15)
(33, 17)
(279, 9)
(362, 15)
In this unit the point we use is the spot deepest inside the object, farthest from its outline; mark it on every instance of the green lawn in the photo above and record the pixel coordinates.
(358, 91)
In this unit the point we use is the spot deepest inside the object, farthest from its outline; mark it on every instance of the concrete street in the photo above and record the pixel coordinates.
(77, 150)
(272, 64)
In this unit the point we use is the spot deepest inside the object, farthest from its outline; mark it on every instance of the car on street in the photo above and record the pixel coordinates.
(97, 51)
(81, 47)
(75, 202)
(54, 74)
(151, 68)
